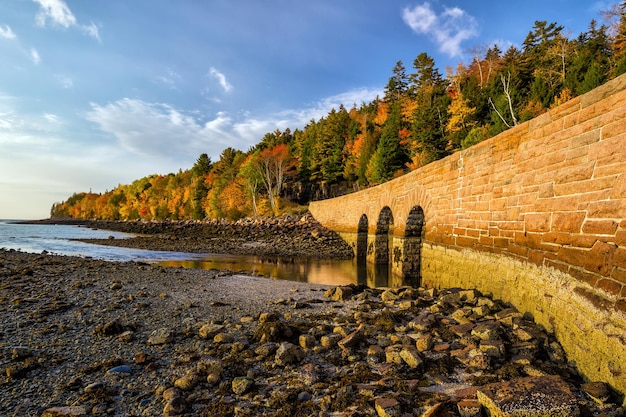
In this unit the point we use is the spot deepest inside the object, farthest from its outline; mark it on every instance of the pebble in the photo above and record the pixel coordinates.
(349, 352)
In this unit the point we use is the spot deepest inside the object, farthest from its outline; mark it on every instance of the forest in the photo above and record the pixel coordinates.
(423, 116)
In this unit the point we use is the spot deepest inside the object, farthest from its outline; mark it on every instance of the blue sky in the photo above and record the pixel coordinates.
(96, 93)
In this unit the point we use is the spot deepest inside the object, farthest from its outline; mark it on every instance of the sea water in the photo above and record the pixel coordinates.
(58, 239)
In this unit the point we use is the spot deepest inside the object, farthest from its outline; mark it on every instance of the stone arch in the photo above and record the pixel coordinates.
(361, 239)
(413, 232)
(384, 227)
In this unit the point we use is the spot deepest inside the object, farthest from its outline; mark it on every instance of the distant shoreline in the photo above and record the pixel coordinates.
(283, 237)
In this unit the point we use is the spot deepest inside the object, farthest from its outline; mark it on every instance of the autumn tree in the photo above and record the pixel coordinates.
(273, 164)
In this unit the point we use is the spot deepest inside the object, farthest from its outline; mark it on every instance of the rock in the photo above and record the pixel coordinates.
(339, 293)
(437, 410)
(223, 338)
(171, 392)
(288, 353)
(188, 381)
(597, 391)
(20, 353)
(266, 349)
(208, 331)
(469, 408)
(330, 340)
(306, 341)
(424, 342)
(175, 407)
(547, 396)
(241, 385)
(110, 328)
(352, 340)
(161, 337)
(309, 374)
(121, 370)
(387, 407)
(73, 411)
(207, 365)
(411, 357)
(126, 336)
(392, 354)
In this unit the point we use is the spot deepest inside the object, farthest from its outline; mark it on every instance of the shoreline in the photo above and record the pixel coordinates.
(284, 237)
(89, 337)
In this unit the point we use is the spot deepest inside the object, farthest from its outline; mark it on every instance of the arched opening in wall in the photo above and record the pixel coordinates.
(411, 264)
(361, 238)
(381, 247)
(361, 250)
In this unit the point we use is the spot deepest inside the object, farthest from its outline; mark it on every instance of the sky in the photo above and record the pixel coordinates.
(96, 93)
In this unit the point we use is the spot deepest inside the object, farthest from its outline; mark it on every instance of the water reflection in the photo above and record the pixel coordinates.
(314, 271)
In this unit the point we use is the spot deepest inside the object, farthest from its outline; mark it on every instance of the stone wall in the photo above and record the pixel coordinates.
(535, 216)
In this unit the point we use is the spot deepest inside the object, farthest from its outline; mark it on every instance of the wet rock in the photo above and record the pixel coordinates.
(546, 396)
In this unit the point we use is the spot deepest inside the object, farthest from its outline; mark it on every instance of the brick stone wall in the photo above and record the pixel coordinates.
(548, 195)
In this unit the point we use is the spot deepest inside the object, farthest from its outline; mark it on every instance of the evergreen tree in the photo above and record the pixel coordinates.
(390, 155)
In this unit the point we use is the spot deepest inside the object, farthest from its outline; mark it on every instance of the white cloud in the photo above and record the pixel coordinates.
(221, 79)
(7, 33)
(34, 55)
(449, 29)
(159, 129)
(59, 14)
(56, 11)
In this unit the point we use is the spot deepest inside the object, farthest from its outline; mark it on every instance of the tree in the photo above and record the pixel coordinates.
(390, 155)
(398, 83)
(430, 116)
(273, 165)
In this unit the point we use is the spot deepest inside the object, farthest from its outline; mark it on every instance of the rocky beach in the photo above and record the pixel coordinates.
(83, 337)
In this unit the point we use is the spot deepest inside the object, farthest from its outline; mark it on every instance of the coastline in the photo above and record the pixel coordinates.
(284, 237)
(90, 337)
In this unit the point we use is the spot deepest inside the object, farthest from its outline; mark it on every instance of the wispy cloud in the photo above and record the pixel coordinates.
(34, 55)
(59, 14)
(221, 79)
(7, 33)
(448, 29)
(170, 79)
(158, 129)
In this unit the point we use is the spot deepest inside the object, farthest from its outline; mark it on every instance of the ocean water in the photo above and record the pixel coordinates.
(56, 239)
